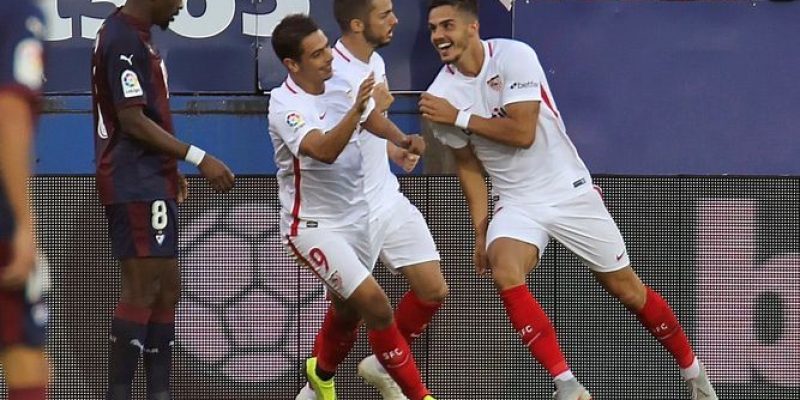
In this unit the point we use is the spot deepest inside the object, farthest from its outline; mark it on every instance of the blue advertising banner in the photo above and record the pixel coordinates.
(661, 87)
(222, 46)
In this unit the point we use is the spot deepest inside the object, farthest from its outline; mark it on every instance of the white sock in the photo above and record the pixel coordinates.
(692, 372)
(565, 376)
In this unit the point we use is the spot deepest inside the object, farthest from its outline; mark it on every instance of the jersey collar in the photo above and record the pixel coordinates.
(340, 50)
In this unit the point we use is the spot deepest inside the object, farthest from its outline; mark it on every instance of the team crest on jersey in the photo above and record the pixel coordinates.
(295, 120)
(130, 84)
(495, 83)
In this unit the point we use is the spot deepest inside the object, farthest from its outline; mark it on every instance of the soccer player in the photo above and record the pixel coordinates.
(492, 105)
(399, 234)
(23, 314)
(139, 185)
(315, 123)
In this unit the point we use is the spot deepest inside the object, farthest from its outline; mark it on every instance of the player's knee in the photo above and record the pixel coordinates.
(143, 298)
(170, 297)
(378, 314)
(434, 293)
(506, 276)
(439, 294)
(631, 296)
(25, 367)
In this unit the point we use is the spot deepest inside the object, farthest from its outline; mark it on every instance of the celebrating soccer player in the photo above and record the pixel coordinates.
(325, 213)
(492, 105)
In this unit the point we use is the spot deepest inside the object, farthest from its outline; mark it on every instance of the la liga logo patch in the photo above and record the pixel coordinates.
(294, 120)
(130, 84)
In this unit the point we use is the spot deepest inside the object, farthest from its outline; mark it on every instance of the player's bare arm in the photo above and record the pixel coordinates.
(183, 189)
(383, 127)
(402, 157)
(471, 175)
(516, 129)
(326, 147)
(16, 129)
(134, 123)
(383, 97)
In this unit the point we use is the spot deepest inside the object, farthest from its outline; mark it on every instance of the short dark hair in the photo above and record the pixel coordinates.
(347, 10)
(470, 6)
(287, 38)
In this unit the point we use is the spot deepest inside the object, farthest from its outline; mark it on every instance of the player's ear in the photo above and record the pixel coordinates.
(291, 64)
(356, 25)
(474, 27)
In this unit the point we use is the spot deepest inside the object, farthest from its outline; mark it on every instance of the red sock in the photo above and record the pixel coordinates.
(533, 326)
(334, 340)
(658, 318)
(395, 355)
(27, 394)
(413, 315)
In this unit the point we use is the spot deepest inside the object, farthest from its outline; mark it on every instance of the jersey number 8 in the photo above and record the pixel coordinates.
(159, 214)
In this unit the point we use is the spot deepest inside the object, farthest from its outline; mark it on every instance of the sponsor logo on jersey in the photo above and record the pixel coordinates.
(495, 83)
(524, 85)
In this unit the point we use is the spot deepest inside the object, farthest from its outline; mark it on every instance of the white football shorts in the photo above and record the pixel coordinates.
(338, 257)
(400, 237)
(582, 224)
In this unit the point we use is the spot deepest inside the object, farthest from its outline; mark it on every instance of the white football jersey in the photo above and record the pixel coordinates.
(313, 193)
(547, 172)
(380, 183)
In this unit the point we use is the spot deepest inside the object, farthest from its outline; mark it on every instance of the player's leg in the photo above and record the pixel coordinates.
(408, 247)
(161, 325)
(161, 332)
(333, 258)
(601, 247)
(23, 319)
(26, 372)
(142, 238)
(514, 242)
(656, 315)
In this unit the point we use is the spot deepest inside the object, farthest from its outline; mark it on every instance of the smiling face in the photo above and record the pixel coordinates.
(316, 59)
(165, 11)
(380, 23)
(452, 32)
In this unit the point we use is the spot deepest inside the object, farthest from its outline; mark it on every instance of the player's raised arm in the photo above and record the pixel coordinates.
(326, 147)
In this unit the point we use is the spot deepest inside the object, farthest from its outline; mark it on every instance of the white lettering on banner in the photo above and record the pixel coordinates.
(262, 25)
(57, 28)
(730, 282)
(90, 26)
(217, 17)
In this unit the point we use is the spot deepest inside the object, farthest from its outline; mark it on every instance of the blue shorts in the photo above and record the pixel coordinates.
(143, 229)
(23, 321)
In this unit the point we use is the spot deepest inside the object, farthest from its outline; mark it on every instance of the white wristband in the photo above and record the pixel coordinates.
(195, 155)
(462, 120)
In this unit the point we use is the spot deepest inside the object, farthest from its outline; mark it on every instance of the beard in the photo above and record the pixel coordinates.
(375, 40)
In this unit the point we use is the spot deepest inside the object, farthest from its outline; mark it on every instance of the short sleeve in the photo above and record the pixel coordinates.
(292, 124)
(522, 75)
(127, 62)
(450, 136)
(22, 52)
